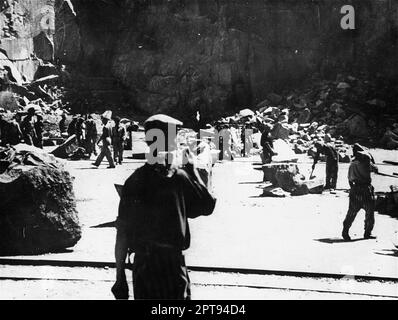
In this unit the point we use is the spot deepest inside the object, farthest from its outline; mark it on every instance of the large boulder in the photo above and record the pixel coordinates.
(271, 171)
(37, 207)
(289, 179)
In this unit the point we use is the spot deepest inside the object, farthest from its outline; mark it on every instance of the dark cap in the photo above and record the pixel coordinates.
(160, 121)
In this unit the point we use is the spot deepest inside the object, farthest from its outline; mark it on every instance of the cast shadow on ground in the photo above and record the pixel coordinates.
(388, 252)
(257, 182)
(92, 168)
(338, 240)
(105, 225)
(32, 254)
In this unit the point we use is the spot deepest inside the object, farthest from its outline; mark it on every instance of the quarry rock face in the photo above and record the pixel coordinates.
(216, 57)
(222, 56)
(37, 206)
(27, 28)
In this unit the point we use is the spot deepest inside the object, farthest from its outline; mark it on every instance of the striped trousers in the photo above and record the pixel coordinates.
(160, 275)
(361, 197)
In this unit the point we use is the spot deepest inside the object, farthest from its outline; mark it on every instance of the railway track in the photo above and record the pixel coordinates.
(259, 283)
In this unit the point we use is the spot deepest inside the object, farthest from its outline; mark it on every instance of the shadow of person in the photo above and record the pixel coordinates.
(105, 225)
(388, 252)
(338, 240)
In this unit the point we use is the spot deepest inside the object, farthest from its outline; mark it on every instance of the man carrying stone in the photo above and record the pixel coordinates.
(361, 192)
(156, 202)
(106, 139)
(332, 163)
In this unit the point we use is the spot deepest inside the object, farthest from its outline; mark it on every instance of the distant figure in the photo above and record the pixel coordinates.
(91, 136)
(72, 127)
(62, 124)
(118, 139)
(10, 132)
(155, 204)
(39, 127)
(80, 131)
(226, 135)
(361, 192)
(332, 163)
(267, 143)
(106, 139)
(28, 127)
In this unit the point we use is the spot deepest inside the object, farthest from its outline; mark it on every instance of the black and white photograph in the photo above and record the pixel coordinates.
(217, 151)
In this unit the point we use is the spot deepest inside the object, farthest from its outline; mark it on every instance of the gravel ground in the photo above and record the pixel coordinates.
(246, 231)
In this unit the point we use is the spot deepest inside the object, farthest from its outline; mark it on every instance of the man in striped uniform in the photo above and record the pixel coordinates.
(155, 204)
(361, 193)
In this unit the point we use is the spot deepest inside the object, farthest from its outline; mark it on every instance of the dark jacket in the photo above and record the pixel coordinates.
(154, 207)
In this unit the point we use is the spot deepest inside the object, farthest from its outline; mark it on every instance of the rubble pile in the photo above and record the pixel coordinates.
(339, 112)
(347, 109)
(285, 179)
(37, 204)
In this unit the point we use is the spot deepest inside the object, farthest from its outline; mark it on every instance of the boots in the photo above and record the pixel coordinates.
(345, 235)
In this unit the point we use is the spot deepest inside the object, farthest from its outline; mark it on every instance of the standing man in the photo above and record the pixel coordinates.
(106, 139)
(156, 202)
(91, 135)
(72, 126)
(118, 139)
(39, 127)
(62, 124)
(332, 163)
(361, 192)
(28, 127)
(80, 131)
(15, 132)
(267, 143)
(10, 132)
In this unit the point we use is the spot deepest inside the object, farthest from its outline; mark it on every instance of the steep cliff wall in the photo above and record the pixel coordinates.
(217, 55)
(180, 56)
(26, 32)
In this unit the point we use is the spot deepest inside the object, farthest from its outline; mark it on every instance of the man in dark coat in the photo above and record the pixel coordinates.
(332, 163)
(29, 126)
(62, 124)
(156, 202)
(91, 135)
(106, 140)
(267, 143)
(119, 136)
(10, 132)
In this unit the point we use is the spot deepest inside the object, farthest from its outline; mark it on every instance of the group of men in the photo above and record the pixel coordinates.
(113, 136)
(28, 129)
(361, 194)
